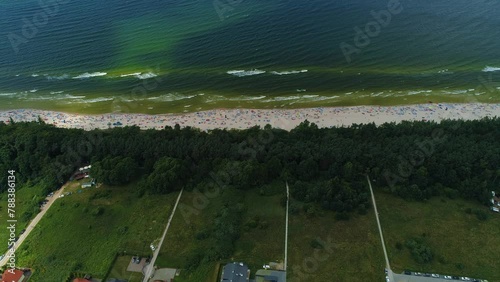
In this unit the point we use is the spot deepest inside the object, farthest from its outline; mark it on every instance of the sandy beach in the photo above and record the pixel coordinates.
(279, 118)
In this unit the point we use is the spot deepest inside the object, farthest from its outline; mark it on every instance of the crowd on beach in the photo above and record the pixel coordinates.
(245, 118)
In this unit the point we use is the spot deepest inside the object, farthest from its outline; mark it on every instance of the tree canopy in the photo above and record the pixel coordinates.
(326, 166)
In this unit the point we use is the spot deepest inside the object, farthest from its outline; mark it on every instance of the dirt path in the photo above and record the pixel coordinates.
(388, 266)
(286, 224)
(34, 222)
(150, 267)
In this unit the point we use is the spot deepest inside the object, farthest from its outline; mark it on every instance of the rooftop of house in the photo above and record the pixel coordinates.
(235, 272)
(267, 275)
(9, 275)
(81, 280)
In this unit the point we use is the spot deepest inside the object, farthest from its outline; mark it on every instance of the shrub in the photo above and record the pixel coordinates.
(123, 230)
(98, 211)
(342, 216)
(399, 246)
(251, 224)
(202, 235)
(263, 225)
(481, 214)
(420, 252)
(315, 244)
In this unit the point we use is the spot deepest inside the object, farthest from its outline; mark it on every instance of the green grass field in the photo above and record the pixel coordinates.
(348, 250)
(462, 244)
(27, 199)
(257, 245)
(266, 242)
(181, 243)
(119, 270)
(83, 231)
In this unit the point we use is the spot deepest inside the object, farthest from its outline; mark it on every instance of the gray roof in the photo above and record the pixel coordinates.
(269, 275)
(235, 272)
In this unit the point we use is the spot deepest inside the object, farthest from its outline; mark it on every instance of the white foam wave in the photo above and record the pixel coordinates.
(170, 97)
(89, 75)
(456, 92)
(130, 74)
(241, 73)
(97, 100)
(57, 97)
(8, 94)
(288, 72)
(445, 71)
(246, 98)
(33, 90)
(35, 75)
(283, 98)
(489, 69)
(60, 77)
(146, 75)
(56, 92)
(419, 92)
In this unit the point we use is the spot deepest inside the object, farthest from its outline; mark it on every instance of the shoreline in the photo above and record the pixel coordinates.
(277, 118)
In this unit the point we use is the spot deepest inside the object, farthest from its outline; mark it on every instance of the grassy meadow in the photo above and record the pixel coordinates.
(83, 231)
(27, 199)
(463, 245)
(347, 250)
(261, 240)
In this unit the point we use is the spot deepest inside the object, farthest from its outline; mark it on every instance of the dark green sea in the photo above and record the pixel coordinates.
(157, 56)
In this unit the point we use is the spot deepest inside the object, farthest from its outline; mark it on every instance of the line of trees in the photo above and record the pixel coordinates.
(415, 160)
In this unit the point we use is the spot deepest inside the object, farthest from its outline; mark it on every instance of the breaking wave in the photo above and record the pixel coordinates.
(241, 73)
(89, 75)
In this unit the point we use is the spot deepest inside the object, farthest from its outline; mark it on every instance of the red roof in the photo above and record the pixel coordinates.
(81, 280)
(9, 275)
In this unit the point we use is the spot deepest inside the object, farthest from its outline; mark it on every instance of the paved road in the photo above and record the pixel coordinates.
(388, 266)
(34, 222)
(150, 266)
(286, 224)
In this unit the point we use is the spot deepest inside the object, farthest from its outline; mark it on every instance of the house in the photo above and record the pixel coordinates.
(495, 209)
(235, 272)
(81, 280)
(267, 275)
(79, 176)
(86, 184)
(13, 275)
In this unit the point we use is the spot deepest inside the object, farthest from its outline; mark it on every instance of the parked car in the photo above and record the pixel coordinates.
(447, 277)
(435, 275)
(407, 272)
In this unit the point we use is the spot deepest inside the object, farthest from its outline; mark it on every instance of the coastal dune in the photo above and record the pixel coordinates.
(278, 118)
